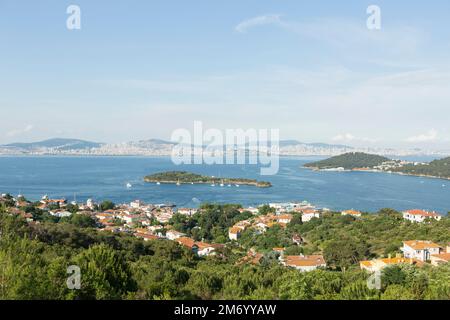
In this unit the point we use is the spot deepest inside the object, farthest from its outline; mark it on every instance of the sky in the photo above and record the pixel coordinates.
(142, 69)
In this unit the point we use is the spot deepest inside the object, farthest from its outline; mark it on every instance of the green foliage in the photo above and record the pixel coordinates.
(349, 161)
(189, 177)
(105, 274)
(437, 168)
(107, 205)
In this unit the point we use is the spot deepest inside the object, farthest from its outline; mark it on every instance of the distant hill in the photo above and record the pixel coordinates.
(289, 143)
(437, 168)
(56, 143)
(349, 161)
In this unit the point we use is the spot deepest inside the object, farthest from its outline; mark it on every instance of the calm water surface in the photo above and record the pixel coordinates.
(103, 178)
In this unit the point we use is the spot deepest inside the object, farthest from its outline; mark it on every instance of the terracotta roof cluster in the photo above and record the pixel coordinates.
(423, 213)
(304, 261)
(420, 244)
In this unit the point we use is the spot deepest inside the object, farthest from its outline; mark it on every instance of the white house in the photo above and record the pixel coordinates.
(187, 211)
(304, 263)
(437, 259)
(61, 214)
(284, 218)
(420, 250)
(172, 235)
(420, 216)
(136, 204)
(234, 233)
(309, 214)
(353, 213)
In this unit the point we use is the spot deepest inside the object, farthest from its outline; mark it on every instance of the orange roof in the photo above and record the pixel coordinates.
(278, 249)
(147, 236)
(418, 212)
(309, 211)
(235, 230)
(203, 245)
(353, 212)
(185, 241)
(420, 245)
(442, 256)
(304, 261)
(284, 217)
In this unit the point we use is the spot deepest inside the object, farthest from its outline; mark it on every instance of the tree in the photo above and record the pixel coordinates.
(397, 292)
(107, 205)
(345, 252)
(266, 209)
(105, 274)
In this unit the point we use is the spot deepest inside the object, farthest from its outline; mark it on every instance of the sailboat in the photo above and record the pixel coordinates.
(221, 183)
(178, 182)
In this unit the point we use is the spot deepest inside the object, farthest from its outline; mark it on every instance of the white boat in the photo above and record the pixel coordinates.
(129, 185)
(229, 185)
(178, 182)
(237, 185)
(158, 183)
(213, 185)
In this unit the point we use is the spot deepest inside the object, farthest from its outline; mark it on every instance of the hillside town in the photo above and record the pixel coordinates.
(155, 222)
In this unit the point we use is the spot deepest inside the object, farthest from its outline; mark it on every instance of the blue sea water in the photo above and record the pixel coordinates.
(104, 178)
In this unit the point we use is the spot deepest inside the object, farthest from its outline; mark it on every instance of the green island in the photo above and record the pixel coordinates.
(184, 177)
(435, 169)
(349, 161)
(358, 161)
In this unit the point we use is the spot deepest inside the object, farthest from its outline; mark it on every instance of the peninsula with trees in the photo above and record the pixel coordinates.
(358, 161)
(184, 177)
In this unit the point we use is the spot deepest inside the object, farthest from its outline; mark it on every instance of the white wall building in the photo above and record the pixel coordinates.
(420, 216)
(420, 250)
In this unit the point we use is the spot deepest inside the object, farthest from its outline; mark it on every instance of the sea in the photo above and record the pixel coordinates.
(106, 178)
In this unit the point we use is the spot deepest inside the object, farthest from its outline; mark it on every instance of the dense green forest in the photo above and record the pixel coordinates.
(437, 168)
(189, 177)
(34, 258)
(349, 161)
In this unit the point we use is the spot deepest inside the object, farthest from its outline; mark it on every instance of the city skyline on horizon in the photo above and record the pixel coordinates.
(141, 71)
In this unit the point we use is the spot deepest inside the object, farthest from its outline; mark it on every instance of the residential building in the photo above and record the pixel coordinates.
(304, 263)
(308, 214)
(419, 249)
(379, 264)
(173, 235)
(417, 215)
(353, 213)
(234, 233)
(444, 257)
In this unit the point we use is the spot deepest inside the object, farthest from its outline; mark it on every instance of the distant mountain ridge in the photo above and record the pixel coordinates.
(55, 143)
(161, 147)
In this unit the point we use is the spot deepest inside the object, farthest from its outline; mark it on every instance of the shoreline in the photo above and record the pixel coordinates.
(377, 171)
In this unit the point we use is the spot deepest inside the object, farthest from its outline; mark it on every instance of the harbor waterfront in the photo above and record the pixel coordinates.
(120, 179)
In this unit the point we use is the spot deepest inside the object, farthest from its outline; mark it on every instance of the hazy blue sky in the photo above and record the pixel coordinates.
(140, 69)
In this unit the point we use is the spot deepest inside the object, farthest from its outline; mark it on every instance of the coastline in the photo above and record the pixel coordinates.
(376, 171)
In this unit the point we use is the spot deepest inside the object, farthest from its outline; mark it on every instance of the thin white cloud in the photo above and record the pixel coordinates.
(430, 136)
(17, 132)
(348, 137)
(258, 21)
